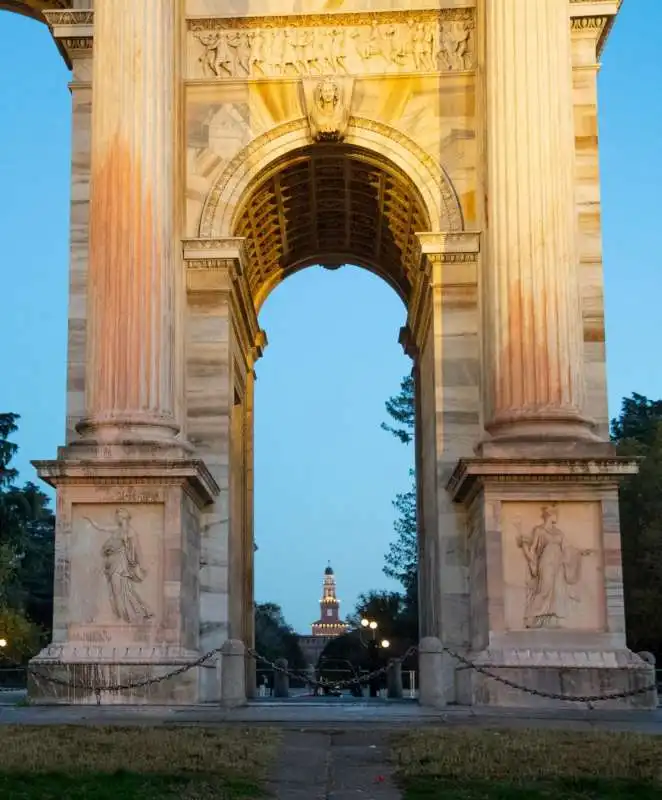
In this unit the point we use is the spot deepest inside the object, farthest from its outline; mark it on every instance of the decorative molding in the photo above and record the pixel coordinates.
(191, 474)
(444, 244)
(69, 17)
(73, 30)
(243, 163)
(356, 18)
(471, 473)
(333, 44)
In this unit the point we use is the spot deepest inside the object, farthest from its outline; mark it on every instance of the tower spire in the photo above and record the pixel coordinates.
(329, 623)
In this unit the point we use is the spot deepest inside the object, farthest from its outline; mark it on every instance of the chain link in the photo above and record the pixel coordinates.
(588, 699)
(98, 688)
(323, 683)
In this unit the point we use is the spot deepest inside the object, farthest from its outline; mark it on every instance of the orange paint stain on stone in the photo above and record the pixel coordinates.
(124, 256)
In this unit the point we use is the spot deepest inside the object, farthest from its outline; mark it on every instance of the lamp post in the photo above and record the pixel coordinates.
(371, 624)
(373, 650)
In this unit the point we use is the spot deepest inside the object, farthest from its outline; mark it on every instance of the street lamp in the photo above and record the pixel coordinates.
(385, 643)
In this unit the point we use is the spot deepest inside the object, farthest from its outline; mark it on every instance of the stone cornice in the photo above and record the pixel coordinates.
(72, 29)
(192, 474)
(330, 19)
(471, 473)
(597, 16)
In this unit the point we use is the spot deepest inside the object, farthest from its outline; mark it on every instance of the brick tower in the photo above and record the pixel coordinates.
(329, 623)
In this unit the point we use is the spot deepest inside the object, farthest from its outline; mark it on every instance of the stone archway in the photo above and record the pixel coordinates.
(322, 203)
(159, 450)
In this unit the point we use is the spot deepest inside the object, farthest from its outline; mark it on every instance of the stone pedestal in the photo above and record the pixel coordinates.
(233, 674)
(431, 673)
(546, 583)
(126, 582)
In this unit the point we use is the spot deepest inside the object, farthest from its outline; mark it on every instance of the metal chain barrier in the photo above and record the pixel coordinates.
(98, 688)
(322, 683)
(595, 698)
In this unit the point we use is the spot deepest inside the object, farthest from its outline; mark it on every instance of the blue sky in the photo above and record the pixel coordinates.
(325, 472)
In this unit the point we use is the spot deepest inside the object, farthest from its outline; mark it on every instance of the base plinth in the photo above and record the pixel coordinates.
(127, 584)
(549, 678)
(546, 584)
(73, 675)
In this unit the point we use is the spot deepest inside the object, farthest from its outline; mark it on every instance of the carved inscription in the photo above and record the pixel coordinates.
(373, 47)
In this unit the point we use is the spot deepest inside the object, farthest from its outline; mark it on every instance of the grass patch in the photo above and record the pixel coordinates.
(527, 765)
(103, 762)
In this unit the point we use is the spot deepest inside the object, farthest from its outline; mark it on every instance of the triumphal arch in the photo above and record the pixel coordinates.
(449, 146)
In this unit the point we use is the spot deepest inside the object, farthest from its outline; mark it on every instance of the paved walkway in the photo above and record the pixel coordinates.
(342, 765)
(331, 715)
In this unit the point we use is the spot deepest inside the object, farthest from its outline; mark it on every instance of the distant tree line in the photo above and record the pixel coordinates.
(27, 537)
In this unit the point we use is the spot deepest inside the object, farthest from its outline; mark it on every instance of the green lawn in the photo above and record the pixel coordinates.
(475, 764)
(150, 763)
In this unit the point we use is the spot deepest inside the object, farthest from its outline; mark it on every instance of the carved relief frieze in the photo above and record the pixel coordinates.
(551, 563)
(123, 567)
(349, 44)
(115, 556)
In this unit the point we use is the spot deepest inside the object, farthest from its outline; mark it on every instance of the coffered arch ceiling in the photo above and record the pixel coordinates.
(33, 8)
(331, 204)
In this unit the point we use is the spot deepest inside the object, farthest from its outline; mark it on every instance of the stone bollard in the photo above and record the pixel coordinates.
(232, 664)
(431, 677)
(281, 679)
(394, 679)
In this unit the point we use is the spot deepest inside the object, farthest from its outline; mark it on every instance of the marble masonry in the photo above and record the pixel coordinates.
(449, 146)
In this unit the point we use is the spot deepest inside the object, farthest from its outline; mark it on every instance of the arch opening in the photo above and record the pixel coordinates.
(331, 204)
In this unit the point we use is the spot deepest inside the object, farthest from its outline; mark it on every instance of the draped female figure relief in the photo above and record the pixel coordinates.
(554, 571)
(123, 569)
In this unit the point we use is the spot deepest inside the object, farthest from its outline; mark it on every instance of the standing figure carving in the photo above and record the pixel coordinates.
(239, 48)
(123, 569)
(554, 568)
(210, 41)
(424, 47)
(257, 56)
(289, 57)
(455, 38)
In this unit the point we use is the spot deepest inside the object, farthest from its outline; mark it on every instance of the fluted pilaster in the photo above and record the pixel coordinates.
(134, 260)
(533, 327)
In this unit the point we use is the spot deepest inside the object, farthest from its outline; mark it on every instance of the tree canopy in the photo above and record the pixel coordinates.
(274, 638)
(27, 536)
(637, 432)
(401, 560)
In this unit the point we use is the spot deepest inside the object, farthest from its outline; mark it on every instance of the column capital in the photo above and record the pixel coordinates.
(73, 32)
(595, 19)
(446, 259)
(218, 266)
